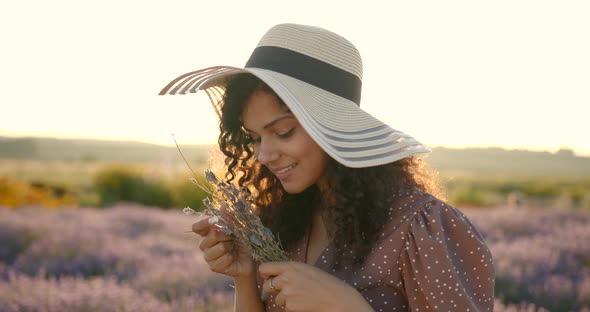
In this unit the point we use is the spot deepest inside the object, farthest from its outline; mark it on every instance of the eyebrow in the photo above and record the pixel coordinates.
(272, 123)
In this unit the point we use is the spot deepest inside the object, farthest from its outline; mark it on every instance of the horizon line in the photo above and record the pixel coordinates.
(129, 140)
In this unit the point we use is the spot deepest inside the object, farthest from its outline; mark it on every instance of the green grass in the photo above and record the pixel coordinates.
(494, 190)
(78, 177)
(461, 188)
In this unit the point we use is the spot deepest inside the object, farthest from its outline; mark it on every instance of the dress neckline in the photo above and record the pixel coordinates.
(322, 253)
(307, 239)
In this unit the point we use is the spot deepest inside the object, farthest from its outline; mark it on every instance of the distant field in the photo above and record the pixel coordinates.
(470, 177)
(481, 161)
(462, 188)
(466, 189)
(75, 174)
(78, 177)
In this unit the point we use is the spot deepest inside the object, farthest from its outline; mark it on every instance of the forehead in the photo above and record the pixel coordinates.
(262, 108)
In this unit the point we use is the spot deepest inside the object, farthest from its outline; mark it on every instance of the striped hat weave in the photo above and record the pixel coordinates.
(318, 75)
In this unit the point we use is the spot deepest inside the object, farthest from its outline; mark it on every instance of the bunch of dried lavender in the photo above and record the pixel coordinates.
(230, 209)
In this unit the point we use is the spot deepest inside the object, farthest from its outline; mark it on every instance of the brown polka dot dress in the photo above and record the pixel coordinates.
(429, 258)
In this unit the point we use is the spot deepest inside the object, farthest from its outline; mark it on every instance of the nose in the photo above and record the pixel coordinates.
(266, 152)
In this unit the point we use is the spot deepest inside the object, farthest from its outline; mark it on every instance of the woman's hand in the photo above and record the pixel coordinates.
(302, 287)
(221, 253)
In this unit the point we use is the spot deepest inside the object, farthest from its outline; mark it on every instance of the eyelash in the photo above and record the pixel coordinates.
(286, 134)
(280, 135)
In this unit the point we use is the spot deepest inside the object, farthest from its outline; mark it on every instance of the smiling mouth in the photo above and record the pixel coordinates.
(285, 170)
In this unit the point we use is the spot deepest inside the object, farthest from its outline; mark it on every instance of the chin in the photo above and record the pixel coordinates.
(293, 189)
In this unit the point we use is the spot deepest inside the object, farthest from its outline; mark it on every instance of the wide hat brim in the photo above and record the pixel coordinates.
(317, 74)
(342, 129)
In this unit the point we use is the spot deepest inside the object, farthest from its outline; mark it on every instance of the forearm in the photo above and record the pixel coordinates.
(247, 298)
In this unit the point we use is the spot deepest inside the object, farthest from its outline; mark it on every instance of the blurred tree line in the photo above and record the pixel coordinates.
(112, 184)
(119, 183)
(163, 187)
(54, 172)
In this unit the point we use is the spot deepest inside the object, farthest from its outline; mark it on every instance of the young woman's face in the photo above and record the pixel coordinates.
(281, 144)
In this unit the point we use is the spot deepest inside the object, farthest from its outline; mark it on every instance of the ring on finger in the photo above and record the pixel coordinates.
(270, 284)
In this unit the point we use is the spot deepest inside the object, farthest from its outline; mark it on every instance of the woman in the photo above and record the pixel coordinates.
(345, 192)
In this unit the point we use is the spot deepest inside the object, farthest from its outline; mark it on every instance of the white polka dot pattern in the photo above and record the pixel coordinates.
(429, 258)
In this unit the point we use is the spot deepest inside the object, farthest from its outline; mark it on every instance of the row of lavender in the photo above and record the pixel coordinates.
(139, 259)
(121, 259)
(540, 256)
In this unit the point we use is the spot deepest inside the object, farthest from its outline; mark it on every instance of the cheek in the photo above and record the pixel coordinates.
(255, 151)
(321, 161)
(303, 147)
(315, 155)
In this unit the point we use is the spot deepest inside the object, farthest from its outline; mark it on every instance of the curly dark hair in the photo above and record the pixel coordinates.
(355, 210)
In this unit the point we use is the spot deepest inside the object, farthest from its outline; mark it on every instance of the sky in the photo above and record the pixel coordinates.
(511, 74)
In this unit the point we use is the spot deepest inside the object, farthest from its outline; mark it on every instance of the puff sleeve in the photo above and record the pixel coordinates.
(444, 264)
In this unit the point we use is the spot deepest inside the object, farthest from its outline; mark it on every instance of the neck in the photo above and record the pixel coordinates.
(317, 239)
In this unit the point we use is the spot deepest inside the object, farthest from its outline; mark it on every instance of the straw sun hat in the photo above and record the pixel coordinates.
(317, 73)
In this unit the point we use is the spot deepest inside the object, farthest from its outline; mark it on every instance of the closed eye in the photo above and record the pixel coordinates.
(286, 134)
(257, 140)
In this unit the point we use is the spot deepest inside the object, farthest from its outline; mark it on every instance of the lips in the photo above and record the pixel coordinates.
(284, 172)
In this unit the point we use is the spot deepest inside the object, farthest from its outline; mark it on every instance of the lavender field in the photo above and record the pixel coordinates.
(132, 258)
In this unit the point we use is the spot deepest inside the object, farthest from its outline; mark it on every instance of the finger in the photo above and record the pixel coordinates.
(217, 251)
(213, 237)
(269, 269)
(280, 299)
(222, 263)
(266, 285)
(202, 226)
